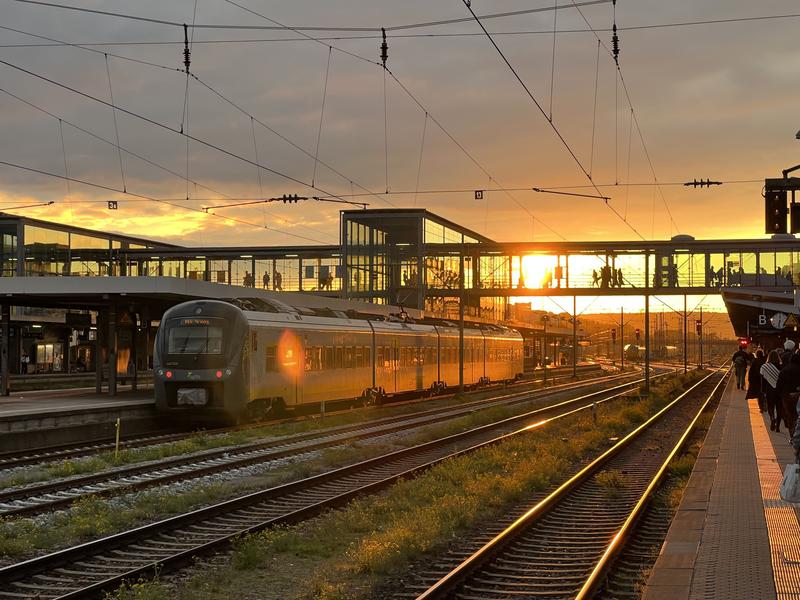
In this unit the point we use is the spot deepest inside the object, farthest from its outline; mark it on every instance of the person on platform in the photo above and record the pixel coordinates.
(754, 388)
(786, 355)
(788, 384)
(770, 371)
(740, 359)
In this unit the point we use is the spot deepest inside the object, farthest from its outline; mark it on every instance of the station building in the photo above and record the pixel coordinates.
(409, 258)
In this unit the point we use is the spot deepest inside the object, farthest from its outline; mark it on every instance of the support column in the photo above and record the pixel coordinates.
(685, 337)
(134, 350)
(98, 355)
(112, 350)
(621, 338)
(461, 323)
(574, 336)
(6, 322)
(647, 326)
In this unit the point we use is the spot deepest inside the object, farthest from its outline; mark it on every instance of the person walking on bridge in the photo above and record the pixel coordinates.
(740, 360)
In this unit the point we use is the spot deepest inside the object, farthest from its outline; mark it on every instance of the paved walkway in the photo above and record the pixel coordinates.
(732, 537)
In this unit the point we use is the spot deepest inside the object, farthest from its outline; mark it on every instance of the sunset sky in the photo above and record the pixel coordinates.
(713, 101)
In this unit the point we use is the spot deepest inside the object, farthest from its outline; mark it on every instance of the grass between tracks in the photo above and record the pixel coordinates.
(346, 554)
(93, 517)
(204, 441)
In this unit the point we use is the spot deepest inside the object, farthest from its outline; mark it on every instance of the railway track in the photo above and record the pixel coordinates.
(563, 546)
(53, 495)
(89, 569)
(35, 456)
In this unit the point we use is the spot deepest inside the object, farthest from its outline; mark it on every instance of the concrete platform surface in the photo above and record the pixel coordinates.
(733, 537)
(38, 402)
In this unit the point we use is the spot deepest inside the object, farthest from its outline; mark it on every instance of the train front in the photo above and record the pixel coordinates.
(199, 361)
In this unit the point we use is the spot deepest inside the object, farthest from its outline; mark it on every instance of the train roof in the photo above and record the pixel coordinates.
(274, 306)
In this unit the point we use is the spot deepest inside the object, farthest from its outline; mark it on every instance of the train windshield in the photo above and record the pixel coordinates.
(195, 336)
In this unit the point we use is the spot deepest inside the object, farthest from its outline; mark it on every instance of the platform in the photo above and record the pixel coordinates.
(732, 536)
(47, 417)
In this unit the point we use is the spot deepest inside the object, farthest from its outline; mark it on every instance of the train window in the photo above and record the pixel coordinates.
(338, 357)
(359, 356)
(308, 358)
(254, 344)
(327, 362)
(367, 356)
(348, 357)
(270, 364)
(379, 356)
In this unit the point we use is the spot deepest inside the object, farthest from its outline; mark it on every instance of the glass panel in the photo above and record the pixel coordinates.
(783, 268)
(766, 275)
(85, 242)
(194, 336)
(218, 271)
(196, 269)
(172, 268)
(46, 251)
(8, 250)
(286, 275)
(242, 273)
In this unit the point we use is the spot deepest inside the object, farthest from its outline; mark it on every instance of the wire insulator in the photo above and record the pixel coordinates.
(186, 52)
(384, 48)
(615, 44)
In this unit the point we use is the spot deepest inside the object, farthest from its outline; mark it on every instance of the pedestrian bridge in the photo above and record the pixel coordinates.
(679, 266)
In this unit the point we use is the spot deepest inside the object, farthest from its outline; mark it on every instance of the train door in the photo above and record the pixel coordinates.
(395, 362)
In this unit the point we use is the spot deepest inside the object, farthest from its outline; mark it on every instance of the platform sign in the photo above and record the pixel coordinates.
(778, 320)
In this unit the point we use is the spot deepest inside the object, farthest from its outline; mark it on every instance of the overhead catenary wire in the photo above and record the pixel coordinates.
(618, 74)
(421, 150)
(515, 13)
(339, 38)
(154, 199)
(321, 115)
(140, 157)
(220, 95)
(166, 127)
(116, 128)
(66, 168)
(406, 91)
(552, 125)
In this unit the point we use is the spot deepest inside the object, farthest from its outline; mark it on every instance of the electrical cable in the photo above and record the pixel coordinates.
(116, 128)
(407, 92)
(633, 112)
(166, 127)
(515, 13)
(421, 149)
(415, 35)
(321, 115)
(152, 199)
(140, 157)
(212, 90)
(552, 125)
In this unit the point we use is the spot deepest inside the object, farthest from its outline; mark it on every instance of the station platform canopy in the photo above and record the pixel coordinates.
(760, 314)
(157, 293)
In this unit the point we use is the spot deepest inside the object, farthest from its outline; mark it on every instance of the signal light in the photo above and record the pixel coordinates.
(168, 374)
(219, 374)
(776, 211)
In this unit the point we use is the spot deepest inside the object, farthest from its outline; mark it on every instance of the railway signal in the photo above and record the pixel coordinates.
(638, 334)
(614, 335)
(698, 326)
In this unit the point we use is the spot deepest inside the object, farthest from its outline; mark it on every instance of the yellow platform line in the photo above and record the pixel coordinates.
(782, 525)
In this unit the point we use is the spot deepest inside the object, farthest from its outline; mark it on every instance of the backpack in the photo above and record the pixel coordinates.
(739, 361)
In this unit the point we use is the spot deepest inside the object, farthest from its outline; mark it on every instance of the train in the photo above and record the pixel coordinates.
(635, 353)
(238, 360)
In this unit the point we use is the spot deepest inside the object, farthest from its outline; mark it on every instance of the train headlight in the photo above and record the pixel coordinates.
(168, 374)
(227, 371)
(219, 374)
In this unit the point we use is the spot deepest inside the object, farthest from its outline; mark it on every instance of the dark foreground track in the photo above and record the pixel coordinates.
(562, 547)
(98, 566)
